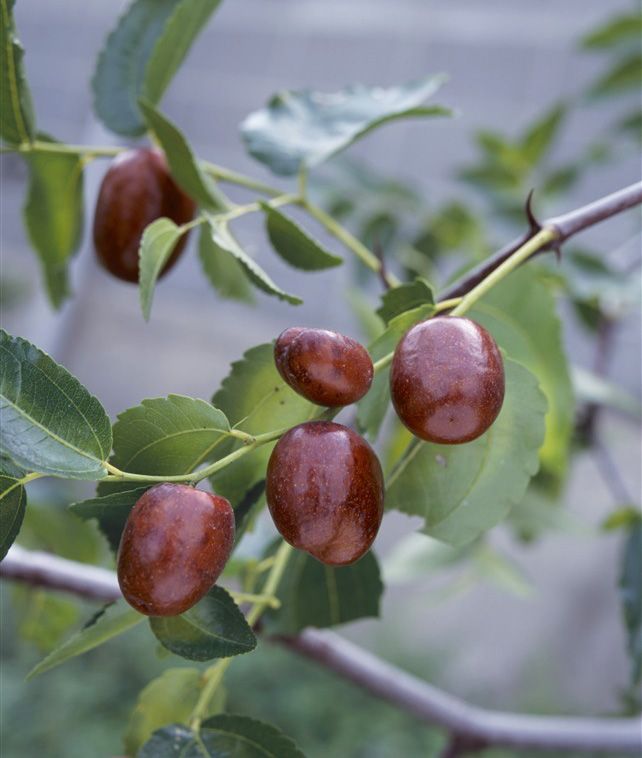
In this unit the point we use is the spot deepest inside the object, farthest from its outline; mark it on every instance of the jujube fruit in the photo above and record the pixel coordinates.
(175, 545)
(324, 367)
(136, 190)
(447, 380)
(325, 491)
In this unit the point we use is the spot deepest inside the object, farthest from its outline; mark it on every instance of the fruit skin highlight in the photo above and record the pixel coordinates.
(447, 380)
(324, 367)
(325, 491)
(175, 545)
(136, 190)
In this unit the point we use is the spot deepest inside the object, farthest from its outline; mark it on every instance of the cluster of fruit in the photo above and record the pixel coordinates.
(324, 483)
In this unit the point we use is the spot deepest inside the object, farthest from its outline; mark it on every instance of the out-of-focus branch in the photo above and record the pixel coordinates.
(471, 727)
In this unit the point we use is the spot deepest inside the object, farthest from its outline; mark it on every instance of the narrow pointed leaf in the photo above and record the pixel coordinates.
(13, 501)
(542, 134)
(156, 245)
(49, 422)
(624, 75)
(624, 28)
(16, 109)
(222, 269)
(630, 585)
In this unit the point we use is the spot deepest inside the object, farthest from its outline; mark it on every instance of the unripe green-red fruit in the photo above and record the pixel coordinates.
(325, 491)
(324, 367)
(447, 380)
(136, 190)
(175, 545)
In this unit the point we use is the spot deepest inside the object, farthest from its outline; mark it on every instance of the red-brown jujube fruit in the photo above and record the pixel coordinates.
(325, 491)
(324, 367)
(175, 545)
(447, 380)
(136, 190)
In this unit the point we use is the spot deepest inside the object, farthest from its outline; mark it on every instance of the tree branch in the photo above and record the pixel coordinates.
(471, 727)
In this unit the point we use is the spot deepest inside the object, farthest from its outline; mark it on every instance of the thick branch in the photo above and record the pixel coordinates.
(565, 226)
(472, 726)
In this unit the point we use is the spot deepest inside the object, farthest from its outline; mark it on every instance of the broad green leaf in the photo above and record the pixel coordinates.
(520, 314)
(627, 28)
(169, 698)
(624, 75)
(295, 245)
(498, 569)
(463, 490)
(406, 297)
(313, 594)
(541, 135)
(110, 511)
(182, 162)
(223, 271)
(53, 214)
(43, 618)
(224, 736)
(157, 243)
(49, 421)
(630, 584)
(13, 501)
(16, 109)
(300, 129)
(416, 556)
(256, 400)
(141, 55)
(225, 241)
(213, 628)
(107, 623)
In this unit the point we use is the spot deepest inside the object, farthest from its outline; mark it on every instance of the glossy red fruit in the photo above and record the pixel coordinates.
(324, 367)
(447, 380)
(175, 545)
(325, 491)
(136, 190)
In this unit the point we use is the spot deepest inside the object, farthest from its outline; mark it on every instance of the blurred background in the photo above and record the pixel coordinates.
(537, 627)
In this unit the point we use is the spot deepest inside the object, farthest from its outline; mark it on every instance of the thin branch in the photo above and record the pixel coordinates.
(471, 727)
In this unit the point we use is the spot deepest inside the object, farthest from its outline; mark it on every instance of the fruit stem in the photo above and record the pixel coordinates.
(242, 210)
(445, 305)
(249, 597)
(213, 677)
(383, 362)
(29, 477)
(56, 147)
(226, 175)
(539, 240)
(281, 558)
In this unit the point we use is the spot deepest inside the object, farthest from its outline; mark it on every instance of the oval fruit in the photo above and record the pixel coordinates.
(324, 367)
(175, 545)
(447, 380)
(136, 190)
(325, 491)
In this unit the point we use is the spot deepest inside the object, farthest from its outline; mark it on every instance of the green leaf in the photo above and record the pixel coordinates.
(110, 511)
(169, 698)
(223, 736)
(630, 584)
(223, 271)
(13, 501)
(294, 245)
(107, 623)
(225, 241)
(624, 75)
(541, 135)
(16, 109)
(520, 315)
(300, 129)
(313, 594)
(49, 421)
(627, 28)
(141, 55)
(406, 297)
(213, 628)
(463, 490)
(156, 245)
(182, 162)
(417, 556)
(53, 214)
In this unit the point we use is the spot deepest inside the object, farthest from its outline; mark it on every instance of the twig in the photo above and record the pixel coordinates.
(471, 727)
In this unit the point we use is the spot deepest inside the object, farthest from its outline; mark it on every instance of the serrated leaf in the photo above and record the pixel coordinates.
(405, 297)
(156, 245)
(463, 490)
(295, 245)
(225, 241)
(617, 30)
(13, 501)
(112, 620)
(540, 136)
(183, 164)
(313, 594)
(630, 585)
(49, 422)
(16, 109)
(54, 214)
(222, 269)
(141, 55)
(213, 628)
(624, 75)
(300, 129)
(110, 511)
(221, 736)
